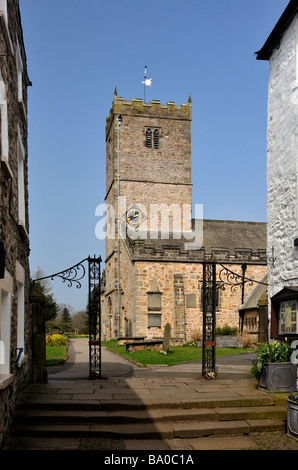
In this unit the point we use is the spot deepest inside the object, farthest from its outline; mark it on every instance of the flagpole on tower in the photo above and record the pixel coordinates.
(145, 74)
(147, 82)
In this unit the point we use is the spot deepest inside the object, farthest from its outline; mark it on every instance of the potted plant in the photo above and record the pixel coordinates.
(292, 414)
(274, 369)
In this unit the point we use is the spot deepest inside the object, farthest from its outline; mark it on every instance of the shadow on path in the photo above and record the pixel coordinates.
(77, 366)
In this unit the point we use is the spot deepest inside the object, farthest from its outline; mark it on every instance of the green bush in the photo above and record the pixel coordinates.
(56, 340)
(226, 330)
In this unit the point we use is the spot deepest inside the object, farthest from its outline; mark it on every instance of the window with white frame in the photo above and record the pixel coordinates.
(19, 64)
(20, 72)
(20, 276)
(5, 302)
(3, 8)
(4, 120)
(21, 181)
(4, 21)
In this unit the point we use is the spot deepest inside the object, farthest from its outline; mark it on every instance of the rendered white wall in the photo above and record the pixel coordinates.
(282, 163)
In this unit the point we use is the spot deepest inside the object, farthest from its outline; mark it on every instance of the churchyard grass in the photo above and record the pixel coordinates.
(55, 354)
(178, 354)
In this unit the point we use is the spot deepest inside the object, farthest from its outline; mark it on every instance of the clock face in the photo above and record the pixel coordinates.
(134, 216)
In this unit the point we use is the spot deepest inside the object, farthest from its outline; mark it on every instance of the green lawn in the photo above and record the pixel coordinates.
(178, 354)
(55, 354)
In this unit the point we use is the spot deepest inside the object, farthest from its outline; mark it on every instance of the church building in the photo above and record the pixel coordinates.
(154, 246)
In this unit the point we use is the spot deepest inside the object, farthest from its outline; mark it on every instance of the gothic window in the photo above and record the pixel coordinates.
(156, 138)
(148, 138)
(152, 138)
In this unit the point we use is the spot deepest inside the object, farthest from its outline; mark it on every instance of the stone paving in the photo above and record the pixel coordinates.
(256, 441)
(155, 384)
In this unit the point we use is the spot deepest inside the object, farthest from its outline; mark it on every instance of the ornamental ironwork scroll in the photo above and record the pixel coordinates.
(73, 277)
(209, 320)
(226, 277)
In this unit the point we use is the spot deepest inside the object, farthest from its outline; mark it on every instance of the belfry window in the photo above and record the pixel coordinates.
(149, 138)
(152, 138)
(156, 138)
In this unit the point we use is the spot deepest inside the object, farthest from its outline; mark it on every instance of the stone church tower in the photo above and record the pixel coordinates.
(153, 142)
(155, 155)
(153, 257)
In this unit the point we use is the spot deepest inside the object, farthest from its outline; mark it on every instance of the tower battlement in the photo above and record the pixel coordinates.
(154, 109)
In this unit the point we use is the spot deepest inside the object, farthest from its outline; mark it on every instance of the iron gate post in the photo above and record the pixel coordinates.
(209, 319)
(94, 311)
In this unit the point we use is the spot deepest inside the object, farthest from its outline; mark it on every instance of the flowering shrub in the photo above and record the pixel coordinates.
(293, 395)
(56, 340)
(271, 352)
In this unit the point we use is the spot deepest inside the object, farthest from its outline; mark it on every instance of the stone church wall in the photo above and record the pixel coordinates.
(180, 287)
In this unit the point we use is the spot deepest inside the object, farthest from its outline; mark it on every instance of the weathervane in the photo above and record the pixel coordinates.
(147, 82)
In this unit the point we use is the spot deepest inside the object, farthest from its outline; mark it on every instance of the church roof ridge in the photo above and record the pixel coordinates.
(232, 221)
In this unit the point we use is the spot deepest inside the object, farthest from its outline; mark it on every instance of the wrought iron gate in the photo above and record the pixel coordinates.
(94, 311)
(73, 276)
(209, 319)
(211, 284)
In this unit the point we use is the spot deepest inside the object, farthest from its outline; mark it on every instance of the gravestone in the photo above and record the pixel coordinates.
(166, 338)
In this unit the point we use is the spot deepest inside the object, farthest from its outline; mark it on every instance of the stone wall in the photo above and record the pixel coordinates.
(15, 317)
(181, 296)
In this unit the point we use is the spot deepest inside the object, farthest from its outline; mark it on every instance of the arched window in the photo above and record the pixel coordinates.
(152, 138)
(149, 138)
(156, 138)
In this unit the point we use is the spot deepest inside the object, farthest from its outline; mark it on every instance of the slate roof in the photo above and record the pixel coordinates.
(234, 234)
(251, 302)
(221, 238)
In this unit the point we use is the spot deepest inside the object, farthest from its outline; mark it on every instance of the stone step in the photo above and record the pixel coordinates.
(55, 403)
(145, 416)
(157, 430)
(52, 416)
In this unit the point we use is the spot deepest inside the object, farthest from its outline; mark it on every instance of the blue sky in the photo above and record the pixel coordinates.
(78, 51)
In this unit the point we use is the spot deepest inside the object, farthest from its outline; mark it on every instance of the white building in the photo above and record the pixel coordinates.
(281, 50)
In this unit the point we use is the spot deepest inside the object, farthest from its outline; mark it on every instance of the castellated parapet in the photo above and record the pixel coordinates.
(154, 109)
